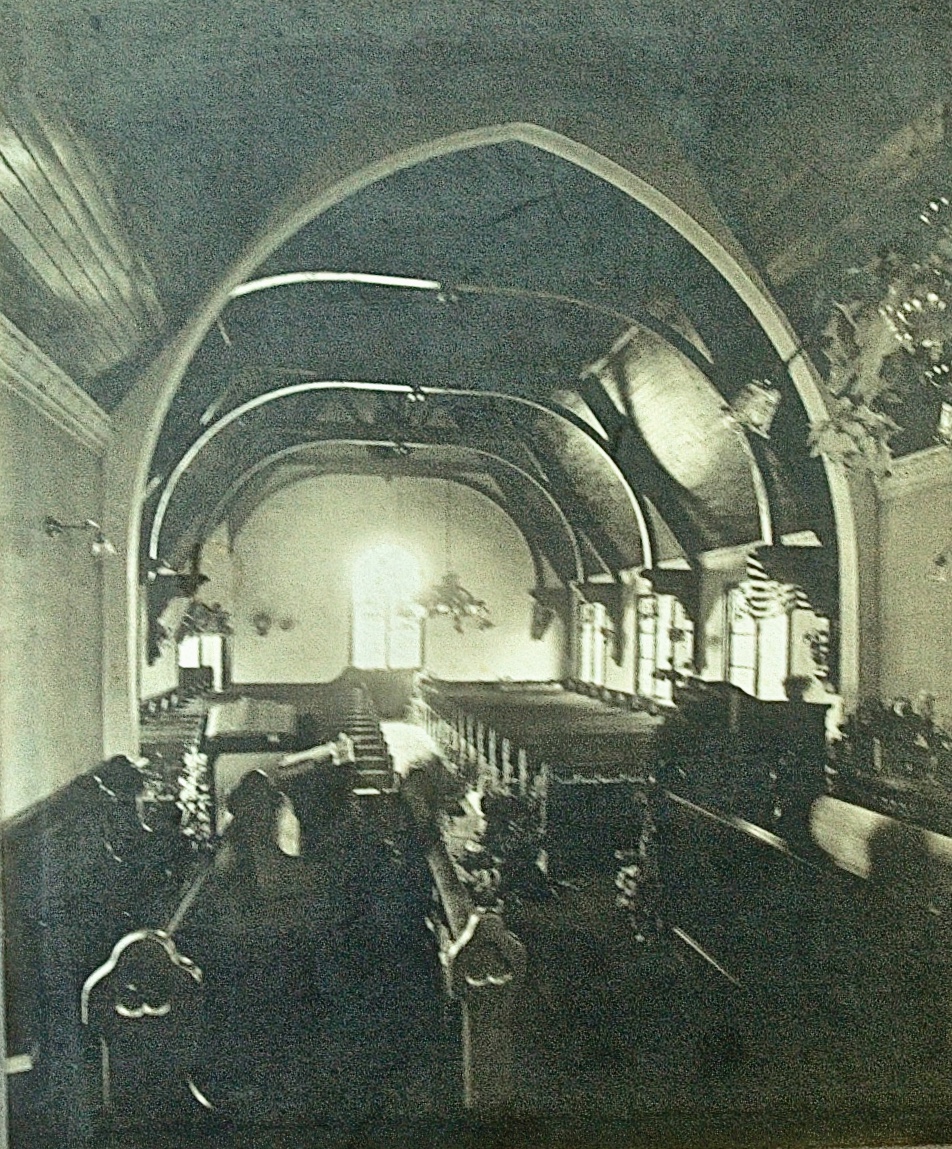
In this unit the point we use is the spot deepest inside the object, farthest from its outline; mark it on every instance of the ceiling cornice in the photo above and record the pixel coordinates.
(34, 377)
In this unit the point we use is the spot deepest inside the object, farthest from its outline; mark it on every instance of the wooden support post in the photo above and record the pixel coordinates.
(106, 1081)
(470, 740)
(544, 780)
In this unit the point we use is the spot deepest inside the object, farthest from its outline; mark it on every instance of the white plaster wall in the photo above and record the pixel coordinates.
(50, 608)
(916, 611)
(294, 558)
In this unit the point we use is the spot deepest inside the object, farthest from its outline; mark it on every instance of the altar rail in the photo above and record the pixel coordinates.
(482, 758)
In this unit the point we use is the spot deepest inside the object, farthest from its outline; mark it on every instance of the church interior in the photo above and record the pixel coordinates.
(477, 486)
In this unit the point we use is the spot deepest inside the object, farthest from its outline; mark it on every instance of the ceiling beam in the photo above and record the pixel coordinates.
(636, 461)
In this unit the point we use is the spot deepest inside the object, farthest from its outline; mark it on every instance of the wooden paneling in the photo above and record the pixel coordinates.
(69, 277)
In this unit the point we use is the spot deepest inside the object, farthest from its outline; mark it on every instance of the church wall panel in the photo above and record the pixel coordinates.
(916, 608)
(50, 608)
(293, 561)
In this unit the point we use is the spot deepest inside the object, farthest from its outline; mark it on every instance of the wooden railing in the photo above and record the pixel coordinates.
(483, 758)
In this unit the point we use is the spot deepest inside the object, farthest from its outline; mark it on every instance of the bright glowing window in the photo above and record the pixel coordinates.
(595, 638)
(758, 652)
(386, 625)
(665, 645)
(586, 642)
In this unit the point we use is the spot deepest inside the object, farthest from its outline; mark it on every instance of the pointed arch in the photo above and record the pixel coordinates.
(598, 146)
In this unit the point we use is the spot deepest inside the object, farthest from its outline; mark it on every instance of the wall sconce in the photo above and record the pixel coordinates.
(940, 565)
(262, 622)
(99, 546)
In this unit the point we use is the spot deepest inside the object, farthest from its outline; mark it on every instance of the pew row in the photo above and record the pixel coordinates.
(142, 1008)
(82, 868)
(484, 964)
(166, 998)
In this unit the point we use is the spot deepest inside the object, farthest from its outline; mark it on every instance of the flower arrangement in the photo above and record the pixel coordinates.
(203, 618)
(899, 303)
(501, 860)
(194, 800)
(897, 739)
(638, 882)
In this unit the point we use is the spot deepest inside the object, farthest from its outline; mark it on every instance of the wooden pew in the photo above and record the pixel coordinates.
(81, 870)
(175, 1004)
(144, 1004)
(484, 964)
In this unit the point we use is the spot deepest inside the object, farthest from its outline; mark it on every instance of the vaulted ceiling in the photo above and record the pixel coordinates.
(144, 148)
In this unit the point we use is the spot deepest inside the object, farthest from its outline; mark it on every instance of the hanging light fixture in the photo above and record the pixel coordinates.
(918, 303)
(902, 302)
(100, 546)
(449, 598)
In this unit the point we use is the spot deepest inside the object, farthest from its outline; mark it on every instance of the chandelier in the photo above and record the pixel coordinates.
(900, 303)
(916, 306)
(449, 598)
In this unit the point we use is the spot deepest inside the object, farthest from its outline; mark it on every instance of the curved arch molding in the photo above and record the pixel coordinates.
(316, 386)
(604, 143)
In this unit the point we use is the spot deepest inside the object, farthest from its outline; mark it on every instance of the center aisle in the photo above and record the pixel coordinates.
(323, 1006)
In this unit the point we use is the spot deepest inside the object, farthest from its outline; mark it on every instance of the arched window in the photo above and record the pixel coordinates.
(386, 625)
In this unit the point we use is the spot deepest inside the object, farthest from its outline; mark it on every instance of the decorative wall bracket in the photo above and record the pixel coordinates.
(683, 584)
(549, 603)
(616, 597)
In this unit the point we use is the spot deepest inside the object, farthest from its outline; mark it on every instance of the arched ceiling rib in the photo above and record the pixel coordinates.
(391, 413)
(666, 420)
(603, 513)
(354, 325)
